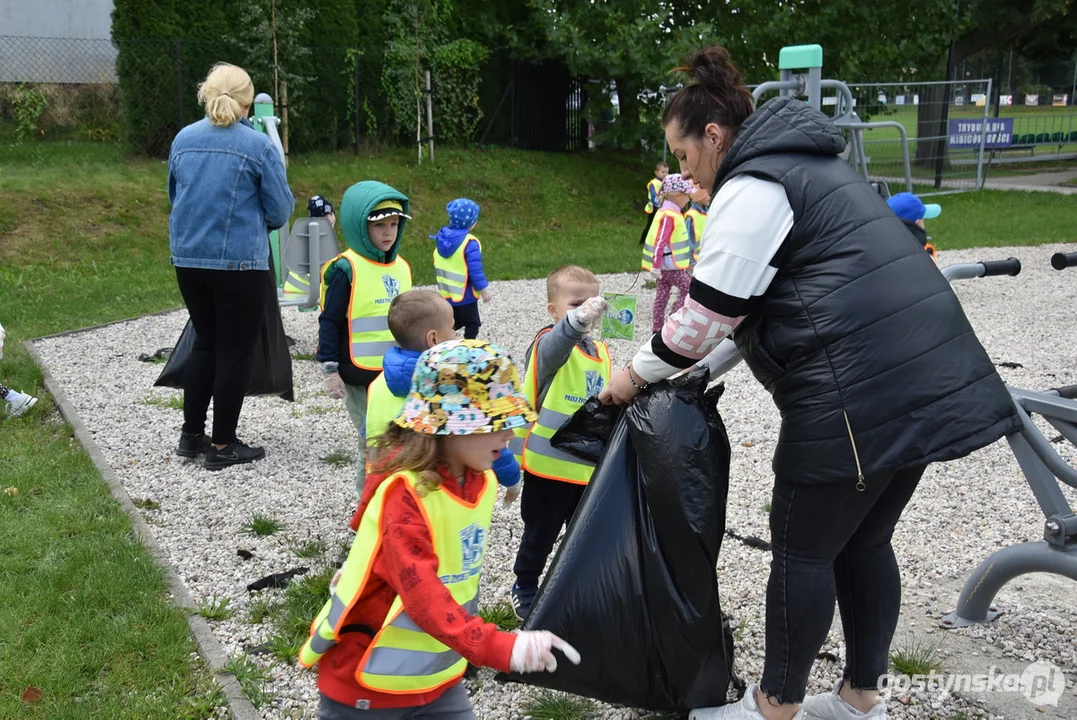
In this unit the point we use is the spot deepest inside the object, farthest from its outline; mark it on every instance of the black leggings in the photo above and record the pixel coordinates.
(227, 308)
(833, 542)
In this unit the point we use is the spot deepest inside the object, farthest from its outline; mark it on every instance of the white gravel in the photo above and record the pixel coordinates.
(963, 511)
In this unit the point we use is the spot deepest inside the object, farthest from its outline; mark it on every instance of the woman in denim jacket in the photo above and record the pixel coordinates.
(228, 189)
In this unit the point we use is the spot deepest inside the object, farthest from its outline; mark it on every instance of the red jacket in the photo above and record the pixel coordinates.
(406, 565)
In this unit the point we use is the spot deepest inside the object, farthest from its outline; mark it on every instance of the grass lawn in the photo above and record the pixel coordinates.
(84, 239)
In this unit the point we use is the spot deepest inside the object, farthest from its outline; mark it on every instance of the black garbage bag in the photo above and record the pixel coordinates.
(633, 586)
(271, 371)
(588, 430)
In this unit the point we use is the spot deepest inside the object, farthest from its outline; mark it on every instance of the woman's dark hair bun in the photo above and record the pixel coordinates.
(717, 96)
(713, 69)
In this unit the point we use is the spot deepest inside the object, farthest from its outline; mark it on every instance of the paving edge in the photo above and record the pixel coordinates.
(209, 649)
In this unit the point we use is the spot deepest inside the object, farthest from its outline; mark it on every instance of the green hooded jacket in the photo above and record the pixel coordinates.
(358, 202)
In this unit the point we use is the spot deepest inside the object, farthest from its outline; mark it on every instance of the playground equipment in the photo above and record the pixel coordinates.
(1043, 470)
(793, 84)
(310, 244)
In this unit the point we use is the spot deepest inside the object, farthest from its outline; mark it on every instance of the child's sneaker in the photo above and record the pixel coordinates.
(18, 403)
(522, 597)
(831, 706)
(236, 453)
(746, 709)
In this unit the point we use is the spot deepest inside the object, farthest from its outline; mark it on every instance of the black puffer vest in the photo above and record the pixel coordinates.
(859, 339)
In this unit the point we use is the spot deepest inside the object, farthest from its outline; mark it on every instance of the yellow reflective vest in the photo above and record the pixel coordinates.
(580, 378)
(451, 272)
(402, 658)
(295, 283)
(678, 241)
(374, 285)
(381, 407)
(654, 188)
(696, 220)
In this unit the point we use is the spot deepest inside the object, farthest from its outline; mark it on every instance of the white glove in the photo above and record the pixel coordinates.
(334, 386)
(511, 493)
(656, 273)
(2, 334)
(533, 652)
(487, 296)
(590, 313)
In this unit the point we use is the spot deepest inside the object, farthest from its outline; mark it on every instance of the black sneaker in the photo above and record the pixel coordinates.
(236, 453)
(522, 597)
(193, 444)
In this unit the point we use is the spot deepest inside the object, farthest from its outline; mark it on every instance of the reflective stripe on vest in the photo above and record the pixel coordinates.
(374, 285)
(295, 283)
(577, 380)
(678, 241)
(695, 221)
(402, 658)
(452, 273)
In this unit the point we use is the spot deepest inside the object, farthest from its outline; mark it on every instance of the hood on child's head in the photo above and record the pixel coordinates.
(358, 202)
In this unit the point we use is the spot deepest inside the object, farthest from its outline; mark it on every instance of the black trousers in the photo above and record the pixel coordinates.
(647, 226)
(467, 317)
(227, 308)
(546, 506)
(830, 542)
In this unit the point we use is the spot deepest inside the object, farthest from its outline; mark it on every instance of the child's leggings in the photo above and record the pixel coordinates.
(669, 278)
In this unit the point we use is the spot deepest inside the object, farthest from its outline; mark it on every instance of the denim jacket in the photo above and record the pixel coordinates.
(228, 188)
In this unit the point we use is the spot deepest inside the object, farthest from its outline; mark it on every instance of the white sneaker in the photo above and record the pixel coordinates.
(830, 706)
(18, 403)
(746, 709)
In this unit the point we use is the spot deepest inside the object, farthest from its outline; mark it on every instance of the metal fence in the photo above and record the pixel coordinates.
(948, 126)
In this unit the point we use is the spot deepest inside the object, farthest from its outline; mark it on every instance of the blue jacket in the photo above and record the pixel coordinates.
(228, 188)
(449, 240)
(398, 366)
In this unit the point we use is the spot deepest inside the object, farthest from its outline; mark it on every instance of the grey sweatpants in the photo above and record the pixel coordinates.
(453, 704)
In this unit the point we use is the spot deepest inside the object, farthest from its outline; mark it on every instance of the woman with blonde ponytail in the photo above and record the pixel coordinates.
(228, 189)
(840, 314)
(227, 94)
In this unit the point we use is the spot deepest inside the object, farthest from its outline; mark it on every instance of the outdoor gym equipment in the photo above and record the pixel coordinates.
(311, 241)
(1043, 470)
(1061, 261)
(793, 84)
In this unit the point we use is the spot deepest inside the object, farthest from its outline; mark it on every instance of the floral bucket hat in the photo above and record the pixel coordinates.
(463, 387)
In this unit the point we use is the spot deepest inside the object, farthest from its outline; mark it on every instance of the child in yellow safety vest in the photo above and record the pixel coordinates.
(695, 218)
(654, 192)
(667, 253)
(357, 287)
(418, 320)
(565, 367)
(401, 623)
(458, 266)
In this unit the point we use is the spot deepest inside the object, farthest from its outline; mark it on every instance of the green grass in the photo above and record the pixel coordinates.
(261, 526)
(309, 548)
(84, 613)
(551, 705)
(146, 504)
(291, 617)
(174, 402)
(215, 608)
(259, 609)
(500, 614)
(915, 657)
(254, 679)
(338, 458)
(303, 356)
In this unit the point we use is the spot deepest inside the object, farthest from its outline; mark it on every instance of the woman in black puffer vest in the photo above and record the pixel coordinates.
(841, 315)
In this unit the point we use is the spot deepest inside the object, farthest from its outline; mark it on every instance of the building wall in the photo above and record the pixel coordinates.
(56, 41)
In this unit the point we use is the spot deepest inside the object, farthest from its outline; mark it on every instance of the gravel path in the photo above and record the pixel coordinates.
(963, 512)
